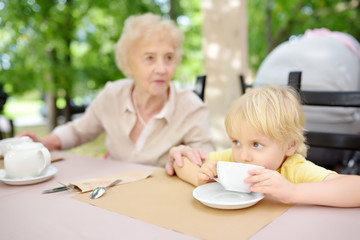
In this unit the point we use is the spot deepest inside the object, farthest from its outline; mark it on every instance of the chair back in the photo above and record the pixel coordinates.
(200, 84)
(6, 124)
(330, 99)
(333, 141)
(243, 84)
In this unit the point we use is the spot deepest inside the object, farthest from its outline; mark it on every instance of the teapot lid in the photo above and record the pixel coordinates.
(26, 146)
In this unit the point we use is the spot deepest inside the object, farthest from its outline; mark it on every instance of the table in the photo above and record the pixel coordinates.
(28, 214)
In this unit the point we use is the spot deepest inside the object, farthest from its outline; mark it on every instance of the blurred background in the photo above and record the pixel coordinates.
(56, 54)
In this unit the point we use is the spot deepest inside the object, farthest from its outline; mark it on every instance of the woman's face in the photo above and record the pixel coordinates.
(152, 65)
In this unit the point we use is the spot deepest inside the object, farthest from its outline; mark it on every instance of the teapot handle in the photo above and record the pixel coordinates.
(46, 157)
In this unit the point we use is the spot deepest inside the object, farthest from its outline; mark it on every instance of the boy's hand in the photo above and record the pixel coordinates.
(207, 172)
(195, 155)
(271, 182)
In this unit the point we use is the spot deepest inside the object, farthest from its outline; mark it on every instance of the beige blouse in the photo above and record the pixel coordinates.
(183, 120)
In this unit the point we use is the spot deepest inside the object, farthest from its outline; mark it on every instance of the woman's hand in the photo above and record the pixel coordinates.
(30, 135)
(207, 172)
(271, 182)
(51, 141)
(195, 155)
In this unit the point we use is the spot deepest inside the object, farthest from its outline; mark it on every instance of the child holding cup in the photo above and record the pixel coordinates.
(266, 127)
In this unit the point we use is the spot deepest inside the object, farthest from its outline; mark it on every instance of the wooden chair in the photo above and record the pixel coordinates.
(328, 140)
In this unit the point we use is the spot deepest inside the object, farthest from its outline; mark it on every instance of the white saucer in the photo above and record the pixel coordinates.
(51, 171)
(215, 196)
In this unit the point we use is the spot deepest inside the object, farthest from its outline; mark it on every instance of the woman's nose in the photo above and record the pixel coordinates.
(160, 67)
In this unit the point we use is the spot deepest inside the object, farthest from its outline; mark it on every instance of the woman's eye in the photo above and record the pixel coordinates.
(169, 58)
(149, 58)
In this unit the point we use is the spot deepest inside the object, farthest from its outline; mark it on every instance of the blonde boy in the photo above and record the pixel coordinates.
(265, 127)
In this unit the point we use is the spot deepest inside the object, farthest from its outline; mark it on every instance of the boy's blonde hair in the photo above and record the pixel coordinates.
(273, 111)
(143, 27)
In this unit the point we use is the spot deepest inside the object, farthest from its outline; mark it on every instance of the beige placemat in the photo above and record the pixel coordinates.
(53, 159)
(167, 201)
(126, 177)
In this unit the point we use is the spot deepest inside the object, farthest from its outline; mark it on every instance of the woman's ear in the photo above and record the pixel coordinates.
(129, 69)
(291, 148)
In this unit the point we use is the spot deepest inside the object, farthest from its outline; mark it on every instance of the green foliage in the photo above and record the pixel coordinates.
(66, 46)
(192, 63)
(63, 46)
(272, 22)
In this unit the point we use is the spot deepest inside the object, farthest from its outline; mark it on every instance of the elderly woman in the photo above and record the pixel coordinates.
(144, 115)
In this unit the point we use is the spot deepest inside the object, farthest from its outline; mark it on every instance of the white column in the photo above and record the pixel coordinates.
(225, 56)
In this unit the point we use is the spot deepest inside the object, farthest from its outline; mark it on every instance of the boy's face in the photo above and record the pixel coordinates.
(252, 147)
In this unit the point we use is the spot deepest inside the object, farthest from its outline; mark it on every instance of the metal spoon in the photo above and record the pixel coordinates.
(99, 191)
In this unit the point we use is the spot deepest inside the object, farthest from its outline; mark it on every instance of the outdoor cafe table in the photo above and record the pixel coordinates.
(26, 213)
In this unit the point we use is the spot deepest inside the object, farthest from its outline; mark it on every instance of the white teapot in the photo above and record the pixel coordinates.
(26, 160)
(7, 142)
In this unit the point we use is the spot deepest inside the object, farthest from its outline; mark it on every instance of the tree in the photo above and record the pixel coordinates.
(62, 46)
(272, 22)
(65, 47)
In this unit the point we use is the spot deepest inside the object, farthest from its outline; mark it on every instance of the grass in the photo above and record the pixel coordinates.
(95, 148)
(16, 107)
(30, 105)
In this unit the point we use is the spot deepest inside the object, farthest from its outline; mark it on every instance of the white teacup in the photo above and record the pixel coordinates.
(26, 160)
(231, 175)
(7, 142)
